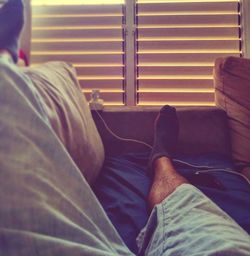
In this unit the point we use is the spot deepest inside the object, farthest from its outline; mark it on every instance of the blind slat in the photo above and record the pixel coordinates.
(101, 84)
(187, 32)
(77, 46)
(76, 21)
(176, 97)
(180, 71)
(82, 33)
(188, 19)
(84, 58)
(180, 57)
(177, 83)
(189, 6)
(75, 9)
(101, 71)
(195, 44)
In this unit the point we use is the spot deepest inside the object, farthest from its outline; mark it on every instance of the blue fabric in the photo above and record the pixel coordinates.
(124, 184)
(122, 190)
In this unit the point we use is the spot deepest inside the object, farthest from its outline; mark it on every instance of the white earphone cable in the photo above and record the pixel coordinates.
(225, 170)
(118, 137)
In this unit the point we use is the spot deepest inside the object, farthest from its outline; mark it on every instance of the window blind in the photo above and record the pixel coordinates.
(91, 37)
(177, 43)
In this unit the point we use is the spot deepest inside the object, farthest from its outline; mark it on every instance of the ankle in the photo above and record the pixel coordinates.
(163, 166)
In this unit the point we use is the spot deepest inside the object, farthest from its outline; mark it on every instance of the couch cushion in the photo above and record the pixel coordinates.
(232, 91)
(69, 115)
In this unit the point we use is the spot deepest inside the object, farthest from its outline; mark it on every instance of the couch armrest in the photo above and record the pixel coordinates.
(202, 130)
(232, 94)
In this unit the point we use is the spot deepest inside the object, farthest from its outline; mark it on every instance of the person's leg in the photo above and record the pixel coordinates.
(184, 221)
(47, 207)
(165, 178)
(188, 223)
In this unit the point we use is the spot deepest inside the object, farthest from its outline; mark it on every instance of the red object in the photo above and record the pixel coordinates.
(23, 57)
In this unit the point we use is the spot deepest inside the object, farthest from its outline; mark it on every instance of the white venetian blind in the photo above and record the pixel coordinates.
(90, 36)
(177, 43)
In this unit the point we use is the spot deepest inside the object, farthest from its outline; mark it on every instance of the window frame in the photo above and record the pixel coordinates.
(130, 49)
(245, 24)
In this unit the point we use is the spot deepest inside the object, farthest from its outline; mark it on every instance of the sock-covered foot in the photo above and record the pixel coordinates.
(166, 134)
(11, 24)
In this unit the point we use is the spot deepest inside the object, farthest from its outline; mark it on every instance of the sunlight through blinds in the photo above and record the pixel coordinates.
(91, 37)
(177, 43)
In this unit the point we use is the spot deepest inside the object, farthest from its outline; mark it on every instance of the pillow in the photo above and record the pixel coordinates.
(232, 93)
(69, 115)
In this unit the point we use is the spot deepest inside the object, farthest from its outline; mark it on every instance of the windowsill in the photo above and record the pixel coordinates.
(146, 108)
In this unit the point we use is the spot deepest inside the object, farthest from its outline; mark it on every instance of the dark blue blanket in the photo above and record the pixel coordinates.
(123, 186)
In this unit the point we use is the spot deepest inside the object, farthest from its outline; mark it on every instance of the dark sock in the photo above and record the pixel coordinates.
(11, 23)
(166, 134)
